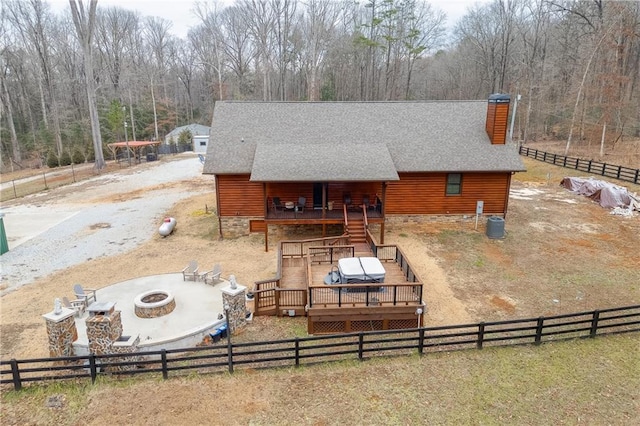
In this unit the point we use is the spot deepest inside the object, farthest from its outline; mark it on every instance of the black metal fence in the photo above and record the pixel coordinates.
(589, 166)
(220, 357)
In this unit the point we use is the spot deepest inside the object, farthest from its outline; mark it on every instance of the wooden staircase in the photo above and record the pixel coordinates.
(355, 229)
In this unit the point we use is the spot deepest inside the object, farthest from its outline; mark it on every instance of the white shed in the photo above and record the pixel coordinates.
(199, 133)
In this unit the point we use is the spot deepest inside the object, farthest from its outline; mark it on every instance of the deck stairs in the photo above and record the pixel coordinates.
(355, 229)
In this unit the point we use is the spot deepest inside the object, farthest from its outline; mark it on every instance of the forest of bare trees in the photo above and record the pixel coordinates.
(575, 64)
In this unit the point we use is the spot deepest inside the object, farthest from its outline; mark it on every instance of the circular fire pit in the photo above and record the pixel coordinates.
(154, 303)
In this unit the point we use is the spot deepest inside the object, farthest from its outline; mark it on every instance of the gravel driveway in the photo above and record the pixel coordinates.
(70, 225)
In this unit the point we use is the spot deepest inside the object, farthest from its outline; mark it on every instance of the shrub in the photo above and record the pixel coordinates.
(65, 159)
(77, 157)
(52, 160)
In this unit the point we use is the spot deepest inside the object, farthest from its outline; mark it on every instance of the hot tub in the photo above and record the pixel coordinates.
(361, 270)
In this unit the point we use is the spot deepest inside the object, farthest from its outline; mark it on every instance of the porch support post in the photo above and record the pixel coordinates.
(324, 208)
(384, 204)
(266, 213)
(218, 206)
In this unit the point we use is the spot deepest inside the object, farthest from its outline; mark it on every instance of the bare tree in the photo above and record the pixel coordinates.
(113, 27)
(34, 22)
(318, 22)
(84, 21)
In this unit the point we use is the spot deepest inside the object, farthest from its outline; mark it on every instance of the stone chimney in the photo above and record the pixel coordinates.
(497, 118)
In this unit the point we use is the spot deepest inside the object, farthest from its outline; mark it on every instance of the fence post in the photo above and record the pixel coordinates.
(480, 335)
(420, 341)
(44, 177)
(577, 163)
(589, 167)
(544, 157)
(594, 323)
(229, 349)
(604, 167)
(635, 179)
(15, 372)
(539, 328)
(360, 345)
(554, 159)
(73, 173)
(564, 162)
(297, 343)
(165, 371)
(15, 194)
(618, 172)
(92, 368)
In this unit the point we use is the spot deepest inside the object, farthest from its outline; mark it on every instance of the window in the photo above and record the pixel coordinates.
(203, 143)
(454, 184)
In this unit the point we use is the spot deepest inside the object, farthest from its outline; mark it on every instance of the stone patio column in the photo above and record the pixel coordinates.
(61, 330)
(233, 296)
(104, 327)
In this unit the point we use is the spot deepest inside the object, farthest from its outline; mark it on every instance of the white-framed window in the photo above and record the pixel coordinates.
(454, 184)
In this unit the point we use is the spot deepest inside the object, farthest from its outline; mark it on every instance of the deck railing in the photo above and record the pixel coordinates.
(329, 254)
(268, 296)
(291, 298)
(270, 299)
(298, 248)
(370, 294)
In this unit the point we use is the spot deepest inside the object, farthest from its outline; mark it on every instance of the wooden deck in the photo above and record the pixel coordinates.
(293, 270)
(300, 289)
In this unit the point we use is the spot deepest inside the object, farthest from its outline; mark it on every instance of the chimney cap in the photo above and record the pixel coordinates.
(499, 97)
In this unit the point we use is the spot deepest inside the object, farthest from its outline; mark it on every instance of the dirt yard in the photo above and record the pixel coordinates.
(562, 253)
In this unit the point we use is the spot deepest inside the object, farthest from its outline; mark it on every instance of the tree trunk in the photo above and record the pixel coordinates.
(84, 23)
(155, 111)
(15, 147)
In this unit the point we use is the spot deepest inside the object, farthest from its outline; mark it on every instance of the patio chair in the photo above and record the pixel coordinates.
(346, 200)
(190, 272)
(85, 294)
(366, 203)
(277, 204)
(212, 276)
(300, 205)
(78, 305)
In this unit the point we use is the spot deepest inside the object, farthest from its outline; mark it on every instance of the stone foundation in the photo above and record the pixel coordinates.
(398, 222)
(235, 226)
(61, 332)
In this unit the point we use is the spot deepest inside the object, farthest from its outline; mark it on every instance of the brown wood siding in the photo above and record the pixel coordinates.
(239, 197)
(424, 193)
(257, 226)
(500, 119)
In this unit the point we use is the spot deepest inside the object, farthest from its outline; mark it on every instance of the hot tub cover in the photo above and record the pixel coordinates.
(361, 270)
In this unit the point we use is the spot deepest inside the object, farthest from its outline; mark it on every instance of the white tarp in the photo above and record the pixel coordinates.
(606, 194)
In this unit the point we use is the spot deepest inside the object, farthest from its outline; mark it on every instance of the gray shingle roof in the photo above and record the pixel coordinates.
(285, 141)
(323, 162)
